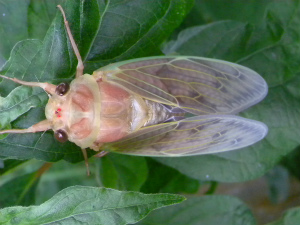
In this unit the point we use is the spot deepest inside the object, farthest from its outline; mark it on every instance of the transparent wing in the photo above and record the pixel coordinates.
(191, 136)
(198, 85)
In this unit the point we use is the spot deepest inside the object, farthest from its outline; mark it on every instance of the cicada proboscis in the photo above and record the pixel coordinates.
(139, 106)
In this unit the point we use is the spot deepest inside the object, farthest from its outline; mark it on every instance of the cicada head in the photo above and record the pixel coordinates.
(72, 111)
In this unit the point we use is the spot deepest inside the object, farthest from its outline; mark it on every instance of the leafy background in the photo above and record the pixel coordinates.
(263, 35)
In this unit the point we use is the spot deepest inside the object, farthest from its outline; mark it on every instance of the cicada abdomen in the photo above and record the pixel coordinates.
(138, 106)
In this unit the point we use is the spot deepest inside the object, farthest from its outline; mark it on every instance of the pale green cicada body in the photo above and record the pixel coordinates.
(140, 106)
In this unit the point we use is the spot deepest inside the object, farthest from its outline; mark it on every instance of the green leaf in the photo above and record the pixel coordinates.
(89, 205)
(19, 191)
(62, 175)
(10, 164)
(279, 185)
(226, 167)
(251, 11)
(165, 179)
(123, 172)
(204, 41)
(23, 19)
(208, 210)
(290, 217)
(40, 16)
(273, 50)
(291, 162)
(105, 32)
(21, 51)
(208, 11)
(13, 26)
(19, 101)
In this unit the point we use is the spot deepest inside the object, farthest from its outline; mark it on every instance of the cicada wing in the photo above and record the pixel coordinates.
(191, 136)
(198, 85)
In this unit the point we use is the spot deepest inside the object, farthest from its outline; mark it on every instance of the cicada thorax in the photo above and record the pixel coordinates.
(124, 112)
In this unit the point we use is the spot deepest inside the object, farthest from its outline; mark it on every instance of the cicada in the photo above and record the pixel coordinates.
(155, 106)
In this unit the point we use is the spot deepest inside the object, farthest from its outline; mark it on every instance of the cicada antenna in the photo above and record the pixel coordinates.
(80, 66)
(49, 88)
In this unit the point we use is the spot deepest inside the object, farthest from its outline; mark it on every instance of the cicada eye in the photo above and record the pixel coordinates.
(61, 136)
(62, 89)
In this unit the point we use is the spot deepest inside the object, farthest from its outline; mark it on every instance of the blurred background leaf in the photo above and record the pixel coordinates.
(19, 191)
(162, 178)
(208, 210)
(123, 172)
(290, 217)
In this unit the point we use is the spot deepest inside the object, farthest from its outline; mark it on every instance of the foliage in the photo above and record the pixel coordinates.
(34, 47)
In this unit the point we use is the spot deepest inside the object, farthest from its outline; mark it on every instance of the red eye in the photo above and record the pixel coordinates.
(61, 135)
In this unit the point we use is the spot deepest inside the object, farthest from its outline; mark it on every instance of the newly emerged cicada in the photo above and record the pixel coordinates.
(143, 106)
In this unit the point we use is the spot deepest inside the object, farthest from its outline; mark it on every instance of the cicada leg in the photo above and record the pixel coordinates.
(80, 66)
(86, 160)
(101, 154)
(41, 126)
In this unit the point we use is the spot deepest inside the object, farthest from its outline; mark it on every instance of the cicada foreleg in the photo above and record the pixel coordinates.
(41, 126)
(80, 66)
